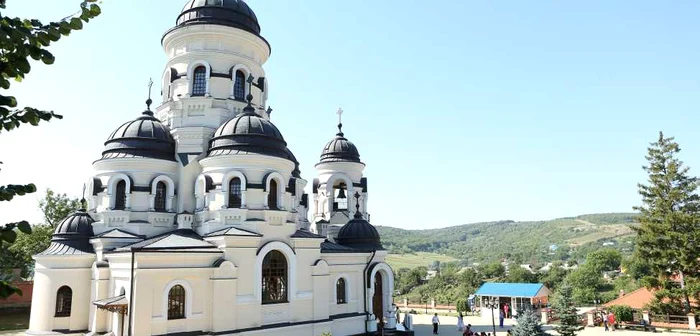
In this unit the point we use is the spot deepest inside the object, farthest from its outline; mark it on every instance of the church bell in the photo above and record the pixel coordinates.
(341, 194)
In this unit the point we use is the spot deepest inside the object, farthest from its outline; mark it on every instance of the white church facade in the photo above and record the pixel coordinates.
(195, 218)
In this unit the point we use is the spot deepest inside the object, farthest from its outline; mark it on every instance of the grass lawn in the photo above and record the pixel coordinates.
(413, 260)
(14, 320)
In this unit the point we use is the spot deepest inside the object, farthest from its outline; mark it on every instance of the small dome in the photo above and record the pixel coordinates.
(248, 133)
(144, 137)
(72, 236)
(231, 13)
(359, 234)
(340, 149)
(77, 224)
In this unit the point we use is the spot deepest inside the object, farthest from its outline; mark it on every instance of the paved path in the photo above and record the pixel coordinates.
(424, 327)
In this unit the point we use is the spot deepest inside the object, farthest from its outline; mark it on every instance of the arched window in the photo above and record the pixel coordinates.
(272, 195)
(161, 190)
(239, 86)
(120, 196)
(176, 303)
(274, 278)
(234, 193)
(199, 82)
(64, 298)
(340, 292)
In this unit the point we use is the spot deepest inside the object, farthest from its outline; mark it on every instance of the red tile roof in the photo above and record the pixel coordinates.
(637, 299)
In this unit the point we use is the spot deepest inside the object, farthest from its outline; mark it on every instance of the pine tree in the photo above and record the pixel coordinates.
(564, 306)
(528, 324)
(668, 236)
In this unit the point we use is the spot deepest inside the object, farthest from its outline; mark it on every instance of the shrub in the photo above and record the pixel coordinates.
(623, 313)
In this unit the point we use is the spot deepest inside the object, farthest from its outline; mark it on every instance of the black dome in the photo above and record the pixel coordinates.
(78, 224)
(359, 234)
(248, 133)
(231, 13)
(143, 137)
(72, 235)
(340, 149)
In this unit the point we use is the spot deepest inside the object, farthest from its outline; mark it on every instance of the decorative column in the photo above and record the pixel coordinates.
(691, 322)
(100, 290)
(591, 318)
(405, 302)
(151, 202)
(645, 316)
(545, 316)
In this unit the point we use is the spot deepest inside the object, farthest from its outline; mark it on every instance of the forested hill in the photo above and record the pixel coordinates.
(570, 238)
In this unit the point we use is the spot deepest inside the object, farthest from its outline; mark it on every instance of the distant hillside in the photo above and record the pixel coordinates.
(537, 242)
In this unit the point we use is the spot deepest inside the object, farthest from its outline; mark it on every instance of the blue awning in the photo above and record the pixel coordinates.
(525, 290)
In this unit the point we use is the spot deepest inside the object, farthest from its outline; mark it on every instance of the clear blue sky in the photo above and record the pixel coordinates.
(464, 111)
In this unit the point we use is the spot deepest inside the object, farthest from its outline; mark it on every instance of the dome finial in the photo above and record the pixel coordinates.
(83, 202)
(149, 101)
(249, 108)
(358, 214)
(340, 122)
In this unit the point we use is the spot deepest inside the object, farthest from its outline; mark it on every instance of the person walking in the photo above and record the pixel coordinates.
(506, 310)
(605, 321)
(436, 322)
(460, 322)
(500, 319)
(611, 321)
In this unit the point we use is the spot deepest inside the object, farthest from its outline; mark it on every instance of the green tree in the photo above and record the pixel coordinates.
(554, 276)
(565, 309)
(28, 245)
(492, 270)
(20, 41)
(520, 275)
(668, 234)
(604, 260)
(528, 324)
(56, 207)
(585, 282)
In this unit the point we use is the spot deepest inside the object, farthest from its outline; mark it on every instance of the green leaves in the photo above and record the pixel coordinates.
(20, 41)
(669, 225)
(8, 192)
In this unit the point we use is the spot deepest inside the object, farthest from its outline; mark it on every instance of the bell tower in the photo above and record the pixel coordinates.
(339, 178)
(213, 49)
(214, 52)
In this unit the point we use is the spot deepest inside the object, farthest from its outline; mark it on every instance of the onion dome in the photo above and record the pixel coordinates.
(248, 133)
(340, 149)
(72, 235)
(143, 137)
(230, 13)
(359, 234)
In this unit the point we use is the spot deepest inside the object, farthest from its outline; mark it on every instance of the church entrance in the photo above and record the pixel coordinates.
(377, 299)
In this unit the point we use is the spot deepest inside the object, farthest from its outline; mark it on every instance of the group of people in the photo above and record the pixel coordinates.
(466, 330)
(608, 321)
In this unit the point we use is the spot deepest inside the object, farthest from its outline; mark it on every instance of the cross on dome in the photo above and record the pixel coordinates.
(340, 121)
(149, 101)
(358, 214)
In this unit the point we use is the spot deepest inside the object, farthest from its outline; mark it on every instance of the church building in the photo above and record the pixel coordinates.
(196, 220)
